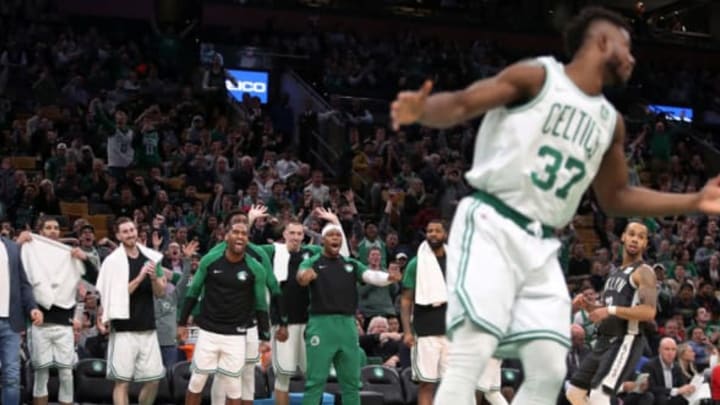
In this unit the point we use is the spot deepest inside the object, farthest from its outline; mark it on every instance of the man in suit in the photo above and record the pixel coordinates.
(666, 381)
(578, 351)
(16, 304)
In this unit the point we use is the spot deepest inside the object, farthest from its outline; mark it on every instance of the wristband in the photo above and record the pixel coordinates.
(612, 310)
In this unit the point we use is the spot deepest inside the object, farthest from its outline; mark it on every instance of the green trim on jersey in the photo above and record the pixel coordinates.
(271, 281)
(196, 288)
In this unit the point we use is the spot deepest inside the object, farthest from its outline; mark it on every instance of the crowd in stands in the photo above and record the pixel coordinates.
(110, 121)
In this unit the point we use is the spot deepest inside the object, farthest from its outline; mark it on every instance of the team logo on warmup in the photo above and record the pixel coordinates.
(242, 275)
(348, 268)
(315, 340)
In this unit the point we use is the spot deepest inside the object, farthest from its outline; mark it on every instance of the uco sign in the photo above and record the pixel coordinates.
(252, 82)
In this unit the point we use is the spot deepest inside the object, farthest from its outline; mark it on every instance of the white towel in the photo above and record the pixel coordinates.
(280, 262)
(113, 279)
(430, 288)
(52, 271)
(4, 282)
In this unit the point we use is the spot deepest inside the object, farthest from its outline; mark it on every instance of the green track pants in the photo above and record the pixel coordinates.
(332, 340)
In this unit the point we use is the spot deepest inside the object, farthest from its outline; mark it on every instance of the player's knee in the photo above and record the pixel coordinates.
(545, 362)
(65, 391)
(248, 382)
(282, 383)
(197, 382)
(576, 395)
(40, 389)
(554, 372)
(233, 386)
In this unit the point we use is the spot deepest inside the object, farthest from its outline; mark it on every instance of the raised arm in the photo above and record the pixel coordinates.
(518, 82)
(618, 198)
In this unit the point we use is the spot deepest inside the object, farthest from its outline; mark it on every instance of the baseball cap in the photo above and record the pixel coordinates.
(401, 255)
(61, 145)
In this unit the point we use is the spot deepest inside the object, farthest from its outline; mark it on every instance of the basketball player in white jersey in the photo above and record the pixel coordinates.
(547, 136)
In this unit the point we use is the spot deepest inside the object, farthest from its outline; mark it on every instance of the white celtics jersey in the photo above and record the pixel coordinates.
(540, 157)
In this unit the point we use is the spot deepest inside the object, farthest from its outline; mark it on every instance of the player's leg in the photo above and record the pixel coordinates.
(120, 393)
(490, 383)
(347, 360)
(40, 382)
(149, 391)
(429, 362)
(616, 366)
(470, 349)
(41, 357)
(122, 351)
(204, 362)
(321, 349)
(581, 381)
(248, 383)
(149, 367)
(544, 365)
(65, 359)
(481, 294)
(65, 389)
(286, 357)
(252, 357)
(540, 330)
(230, 365)
(217, 392)
(233, 388)
(495, 397)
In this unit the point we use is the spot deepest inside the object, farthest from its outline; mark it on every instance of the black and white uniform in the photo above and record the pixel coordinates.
(619, 343)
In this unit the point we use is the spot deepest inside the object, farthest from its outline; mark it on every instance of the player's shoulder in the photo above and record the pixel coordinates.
(530, 70)
(311, 260)
(213, 255)
(644, 272)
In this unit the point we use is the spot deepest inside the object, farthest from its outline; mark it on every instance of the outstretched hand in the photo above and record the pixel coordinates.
(256, 211)
(408, 106)
(709, 197)
(326, 214)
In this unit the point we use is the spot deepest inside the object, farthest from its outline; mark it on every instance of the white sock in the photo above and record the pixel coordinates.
(544, 365)
(469, 352)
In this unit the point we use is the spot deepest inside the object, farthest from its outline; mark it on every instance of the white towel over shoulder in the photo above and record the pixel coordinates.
(52, 271)
(113, 279)
(430, 288)
(281, 260)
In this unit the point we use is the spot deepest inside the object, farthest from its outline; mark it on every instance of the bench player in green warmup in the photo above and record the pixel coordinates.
(235, 296)
(331, 336)
(252, 340)
(289, 322)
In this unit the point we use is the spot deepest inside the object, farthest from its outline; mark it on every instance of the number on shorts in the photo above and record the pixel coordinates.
(546, 181)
